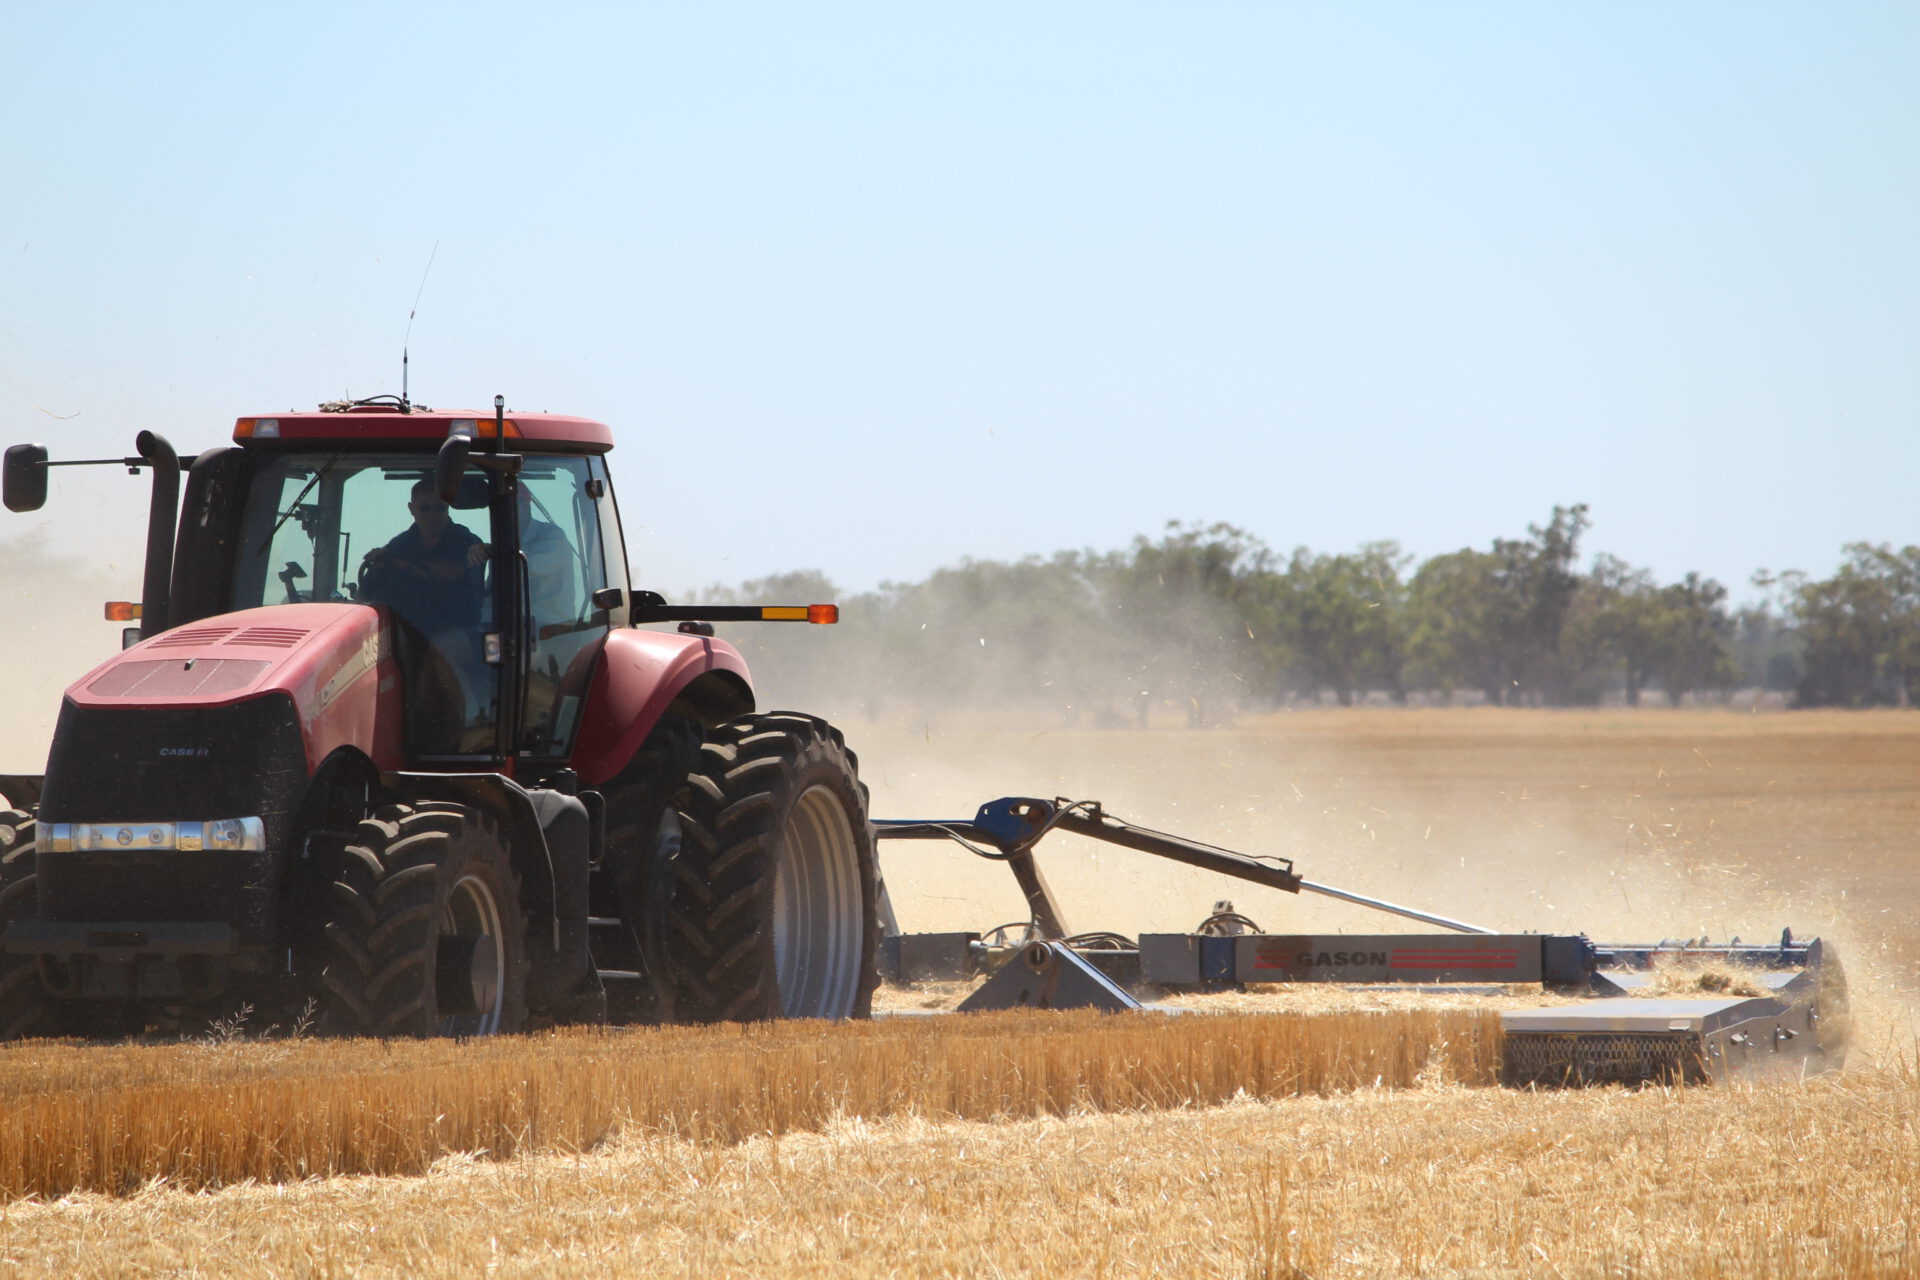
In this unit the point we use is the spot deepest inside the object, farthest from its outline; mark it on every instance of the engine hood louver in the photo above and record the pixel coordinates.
(190, 636)
(271, 637)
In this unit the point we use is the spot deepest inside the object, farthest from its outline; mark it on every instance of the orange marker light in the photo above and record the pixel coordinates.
(122, 611)
(824, 614)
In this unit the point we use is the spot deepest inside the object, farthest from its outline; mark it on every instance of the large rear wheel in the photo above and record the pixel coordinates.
(773, 905)
(424, 934)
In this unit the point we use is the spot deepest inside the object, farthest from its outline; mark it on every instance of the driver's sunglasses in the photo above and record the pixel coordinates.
(428, 507)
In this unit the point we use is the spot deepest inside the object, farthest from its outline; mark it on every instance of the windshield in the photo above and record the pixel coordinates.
(311, 519)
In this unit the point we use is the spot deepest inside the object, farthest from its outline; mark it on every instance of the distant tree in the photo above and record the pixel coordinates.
(1900, 570)
(1455, 619)
(1768, 644)
(1495, 618)
(1342, 617)
(1616, 624)
(1207, 617)
(1861, 629)
(1694, 642)
(1539, 575)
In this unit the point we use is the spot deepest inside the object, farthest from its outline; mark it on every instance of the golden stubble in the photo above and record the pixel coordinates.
(74, 1118)
(1809, 1180)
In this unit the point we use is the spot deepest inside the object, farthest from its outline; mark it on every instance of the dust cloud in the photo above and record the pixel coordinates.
(56, 634)
(991, 641)
(1629, 827)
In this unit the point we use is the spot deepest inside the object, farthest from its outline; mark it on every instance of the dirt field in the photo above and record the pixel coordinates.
(1627, 826)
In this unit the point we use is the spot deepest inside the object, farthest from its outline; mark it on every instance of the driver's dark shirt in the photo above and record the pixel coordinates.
(428, 603)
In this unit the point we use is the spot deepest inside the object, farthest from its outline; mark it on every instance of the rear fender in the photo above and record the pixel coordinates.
(641, 676)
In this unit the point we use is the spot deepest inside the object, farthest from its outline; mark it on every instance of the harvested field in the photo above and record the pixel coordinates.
(197, 1115)
(1814, 1181)
(1112, 1150)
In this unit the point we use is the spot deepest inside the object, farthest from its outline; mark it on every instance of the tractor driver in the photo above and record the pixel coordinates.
(430, 572)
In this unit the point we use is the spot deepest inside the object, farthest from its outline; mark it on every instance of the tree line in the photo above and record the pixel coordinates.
(1208, 619)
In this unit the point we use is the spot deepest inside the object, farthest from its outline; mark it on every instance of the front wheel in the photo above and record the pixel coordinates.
(24, 1005)
(424, 934)
(773, 906)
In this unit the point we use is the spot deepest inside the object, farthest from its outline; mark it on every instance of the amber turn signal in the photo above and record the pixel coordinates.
(122, 611)
(822, 613)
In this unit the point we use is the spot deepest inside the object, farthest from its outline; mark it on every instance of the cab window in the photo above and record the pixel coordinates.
(560, 538)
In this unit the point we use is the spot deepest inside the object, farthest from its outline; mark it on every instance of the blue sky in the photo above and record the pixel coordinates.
(871, 288)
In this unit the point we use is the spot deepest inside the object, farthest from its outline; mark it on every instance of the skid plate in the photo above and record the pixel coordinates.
(1646, 1041)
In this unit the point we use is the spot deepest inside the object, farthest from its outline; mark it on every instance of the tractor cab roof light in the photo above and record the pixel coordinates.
(257, 429)
(484, 428)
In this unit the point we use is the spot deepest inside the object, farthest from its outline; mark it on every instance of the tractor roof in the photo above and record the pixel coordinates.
(385, 424)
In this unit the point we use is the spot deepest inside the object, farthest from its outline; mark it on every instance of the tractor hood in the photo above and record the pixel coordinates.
(333, 661)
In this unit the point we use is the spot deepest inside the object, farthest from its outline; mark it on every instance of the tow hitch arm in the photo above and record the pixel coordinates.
(1006, 830)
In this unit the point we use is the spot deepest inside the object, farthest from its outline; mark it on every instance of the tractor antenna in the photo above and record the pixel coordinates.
(406, 405)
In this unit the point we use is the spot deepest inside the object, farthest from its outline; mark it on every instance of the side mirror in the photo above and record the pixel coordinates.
(23, 482)
(450, 466)
(474, 494)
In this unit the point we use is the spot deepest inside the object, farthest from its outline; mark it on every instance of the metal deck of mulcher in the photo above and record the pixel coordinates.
(1629, 1041)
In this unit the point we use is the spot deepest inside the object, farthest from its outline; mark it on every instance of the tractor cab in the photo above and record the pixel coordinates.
(502, 571)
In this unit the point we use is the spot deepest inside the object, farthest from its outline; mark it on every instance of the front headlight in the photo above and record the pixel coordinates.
(226, 835)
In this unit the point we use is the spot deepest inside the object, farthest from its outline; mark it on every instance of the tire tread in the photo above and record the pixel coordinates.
(720, 956)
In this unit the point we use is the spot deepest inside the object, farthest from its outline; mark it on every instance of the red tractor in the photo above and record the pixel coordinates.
(389, 745)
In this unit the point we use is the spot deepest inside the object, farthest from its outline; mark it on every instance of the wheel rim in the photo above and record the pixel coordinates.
(818, 927)
(471, 917)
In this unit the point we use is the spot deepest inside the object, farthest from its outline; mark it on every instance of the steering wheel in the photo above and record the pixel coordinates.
(378, 584)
